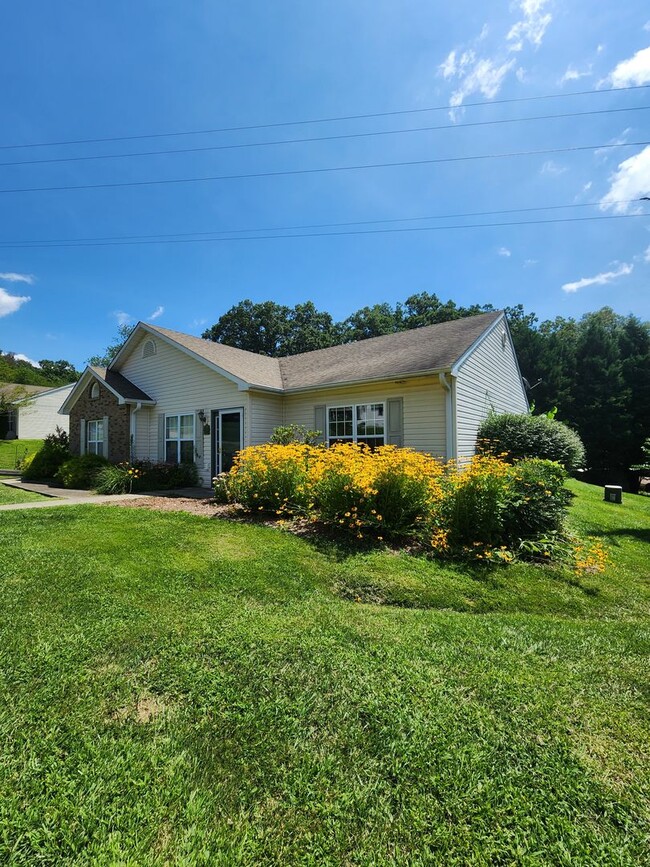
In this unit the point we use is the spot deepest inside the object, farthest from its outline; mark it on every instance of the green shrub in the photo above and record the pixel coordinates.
(80, 472)
(221, 489)
(115, 479)
(162, 477)
(294, 433)
(272, 478)
(475, 500)
(537, 502)
(47, 460)
(515, 437)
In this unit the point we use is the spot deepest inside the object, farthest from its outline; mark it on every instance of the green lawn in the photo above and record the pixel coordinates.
(12, 451)
(182, 690)
(13, 495)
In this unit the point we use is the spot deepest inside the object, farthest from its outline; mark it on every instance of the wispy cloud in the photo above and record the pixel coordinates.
(550, 167)
(532, 27)
(12, 277)
(11, 303)
(528, 263)
(474, 70)
(504, 251)
(573, 74)
(631, 180)
(646, 255)
(634, 70)
(122, 317)
(600, 279)
(157, 312)
(20, 357)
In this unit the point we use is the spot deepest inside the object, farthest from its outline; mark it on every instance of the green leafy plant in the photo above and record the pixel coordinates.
(294, 433)
(515, 437)
(80, 472)
(47, 460)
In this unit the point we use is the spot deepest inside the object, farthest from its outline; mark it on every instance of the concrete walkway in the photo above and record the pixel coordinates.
(68, 497)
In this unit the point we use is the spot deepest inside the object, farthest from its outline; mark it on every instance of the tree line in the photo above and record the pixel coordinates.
(48, 373)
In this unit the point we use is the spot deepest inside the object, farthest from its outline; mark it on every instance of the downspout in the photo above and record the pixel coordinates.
(134, 409)
(449, 419)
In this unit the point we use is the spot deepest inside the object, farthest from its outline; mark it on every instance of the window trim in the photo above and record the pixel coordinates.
(94, 391)
(354, 406)
(96, 441)
(180, 439)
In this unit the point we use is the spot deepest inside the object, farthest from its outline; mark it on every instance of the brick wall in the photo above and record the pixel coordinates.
(93, 409)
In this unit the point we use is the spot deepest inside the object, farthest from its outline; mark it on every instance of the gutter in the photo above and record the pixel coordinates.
(449, 414)
(132, 429)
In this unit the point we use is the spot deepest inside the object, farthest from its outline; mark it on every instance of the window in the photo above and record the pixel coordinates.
(179, 439)
(94, 391)
(148, 349)
(95, 438)
(363, 423)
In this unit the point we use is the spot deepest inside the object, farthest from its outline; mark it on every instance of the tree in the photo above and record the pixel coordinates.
(371, 322)
(123, 334)
(59, 372)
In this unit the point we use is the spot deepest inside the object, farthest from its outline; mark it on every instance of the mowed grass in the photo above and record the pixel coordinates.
(182, 690)
(12, 451)
(14, 495)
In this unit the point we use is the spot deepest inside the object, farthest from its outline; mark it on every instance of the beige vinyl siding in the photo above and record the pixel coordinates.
(424, 408)
(266, 413)
(487, 380)
(178, 384)
(40, 415)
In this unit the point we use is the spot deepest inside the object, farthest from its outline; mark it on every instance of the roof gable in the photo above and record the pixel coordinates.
(122, 388)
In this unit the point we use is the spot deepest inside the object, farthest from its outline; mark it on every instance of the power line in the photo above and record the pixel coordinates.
(453, 216)
(336, 234)
(287, 172)
(357, 135)
(334, 119)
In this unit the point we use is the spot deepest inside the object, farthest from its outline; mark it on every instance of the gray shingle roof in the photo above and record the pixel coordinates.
(120, 384)
(434, 347)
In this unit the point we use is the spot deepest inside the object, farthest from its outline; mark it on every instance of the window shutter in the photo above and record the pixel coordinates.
(198, 439)
(106, 440)
(82, 436)
(395, 433)
(320, 422)
(161, 436)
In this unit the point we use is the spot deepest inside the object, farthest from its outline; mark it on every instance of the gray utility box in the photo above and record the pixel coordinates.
(613, 494)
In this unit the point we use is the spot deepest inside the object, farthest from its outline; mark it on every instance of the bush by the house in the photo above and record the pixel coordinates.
(294, 433)
(154, 476)
(272, 478)
(47, 460)
(117, 479)
(515, 437)
(80, 472)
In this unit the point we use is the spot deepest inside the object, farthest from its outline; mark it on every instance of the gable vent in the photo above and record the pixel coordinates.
(148, 349)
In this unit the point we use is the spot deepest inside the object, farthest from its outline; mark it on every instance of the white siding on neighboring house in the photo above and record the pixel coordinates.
(178, 384)
(266, 413)
(40, 415)
(424, 408)
(488, 379)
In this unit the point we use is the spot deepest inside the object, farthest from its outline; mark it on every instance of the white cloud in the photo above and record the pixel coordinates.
(528, 263)
(550, 167)
(532, 26)
(486, 78)
(157, 312)
(646, 255)
(504, 251)
(448, 66)
(122, 317)
(600, 279)
(631, 180)
(20, 357)
(634, 70)
(646, 26)
(573, 74)
(12, 277)
(11, 303)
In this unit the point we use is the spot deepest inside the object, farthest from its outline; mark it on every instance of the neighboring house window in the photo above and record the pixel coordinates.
(95, 438)
(179, 439)
(94, 391)
(148, 349)
(363, 423)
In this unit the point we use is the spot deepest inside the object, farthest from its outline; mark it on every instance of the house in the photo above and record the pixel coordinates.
(169, 396)
(33, 411)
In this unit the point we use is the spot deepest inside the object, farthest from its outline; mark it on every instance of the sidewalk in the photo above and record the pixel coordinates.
(67, 497)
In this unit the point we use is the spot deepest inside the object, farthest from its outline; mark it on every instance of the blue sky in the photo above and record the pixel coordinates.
(90, 71)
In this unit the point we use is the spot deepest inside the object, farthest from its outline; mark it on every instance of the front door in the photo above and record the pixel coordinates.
(228, 437)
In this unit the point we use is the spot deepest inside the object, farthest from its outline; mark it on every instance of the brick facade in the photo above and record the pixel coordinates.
(93, 409)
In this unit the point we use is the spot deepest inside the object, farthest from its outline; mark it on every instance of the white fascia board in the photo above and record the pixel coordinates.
(463, 358)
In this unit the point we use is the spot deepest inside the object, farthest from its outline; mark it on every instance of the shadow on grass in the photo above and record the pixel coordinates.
(639, 534)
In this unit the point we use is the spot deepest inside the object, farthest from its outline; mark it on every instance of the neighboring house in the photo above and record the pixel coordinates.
(39, 415)
(169, 396)
(34, 410)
